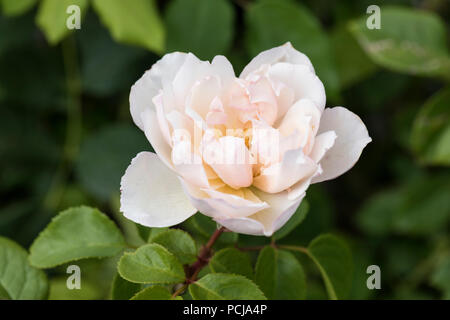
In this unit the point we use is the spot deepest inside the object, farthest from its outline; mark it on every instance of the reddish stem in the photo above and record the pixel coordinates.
(203, 257)
(202, 260)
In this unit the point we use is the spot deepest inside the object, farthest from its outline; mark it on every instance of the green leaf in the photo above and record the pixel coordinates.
(294, 221)
(334, 260)
(203, 227)
(144, 232)
(137, 24)
(204, 271)
(377, 95)
(231, 260)
(147, 233)
(210, 29)
(377, 214)
(271, 23)
(104, 157)
(179, 243)
(18, 279)
(424, 207)
(400, 255)
(409, 40)
(107, 67)
(352, 63)
(441, 277)
(320, 217)
(76, 233)
(221, 286)
(16, 7)
(419, 207)
(151, 263)
(122, 289)
(280, 275)
(52, 18)
(3, 294)
(89, 290)
(154, 232)
(430, 137)
(155, 293)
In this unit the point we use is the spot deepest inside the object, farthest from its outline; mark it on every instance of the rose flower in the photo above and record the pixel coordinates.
(242, 151)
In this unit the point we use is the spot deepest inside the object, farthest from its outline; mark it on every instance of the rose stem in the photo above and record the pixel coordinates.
(202, 260)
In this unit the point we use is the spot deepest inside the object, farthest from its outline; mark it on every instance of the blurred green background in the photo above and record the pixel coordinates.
(66, 134)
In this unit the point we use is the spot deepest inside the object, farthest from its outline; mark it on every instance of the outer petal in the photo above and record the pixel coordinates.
(147, 201)
(280, 211)
(155, 137)
(219, 205)
(352, 137)
(284, 53)
(243, 225)
(149, 85)
(162, 119)
(222, 68)
(267, 221)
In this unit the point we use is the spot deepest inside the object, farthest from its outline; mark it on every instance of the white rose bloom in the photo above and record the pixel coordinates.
(240, 150)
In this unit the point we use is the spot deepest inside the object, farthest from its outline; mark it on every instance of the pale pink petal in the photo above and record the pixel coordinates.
(322, 143)
(266, 221)
(196, 118)
(202, 94)
(265, 143)
(154, 135)
(299, 189)
(230, 159)
(284, 53)
(238, 206)
(149, 85)
(243, 225)
(188, 74)
(295, 118)
(352, 137)
(262, 95)
(216, 114)
(268, 146)
(147, 201)
(306, 84)
(161, 116)
(238, 107)
(280, 176)
(281, 210)
(182, 126)
(222, 68)
(220, 205)
(285, 99)
(188, 164)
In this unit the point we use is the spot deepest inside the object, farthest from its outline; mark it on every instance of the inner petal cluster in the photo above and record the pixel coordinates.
(232, 136)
